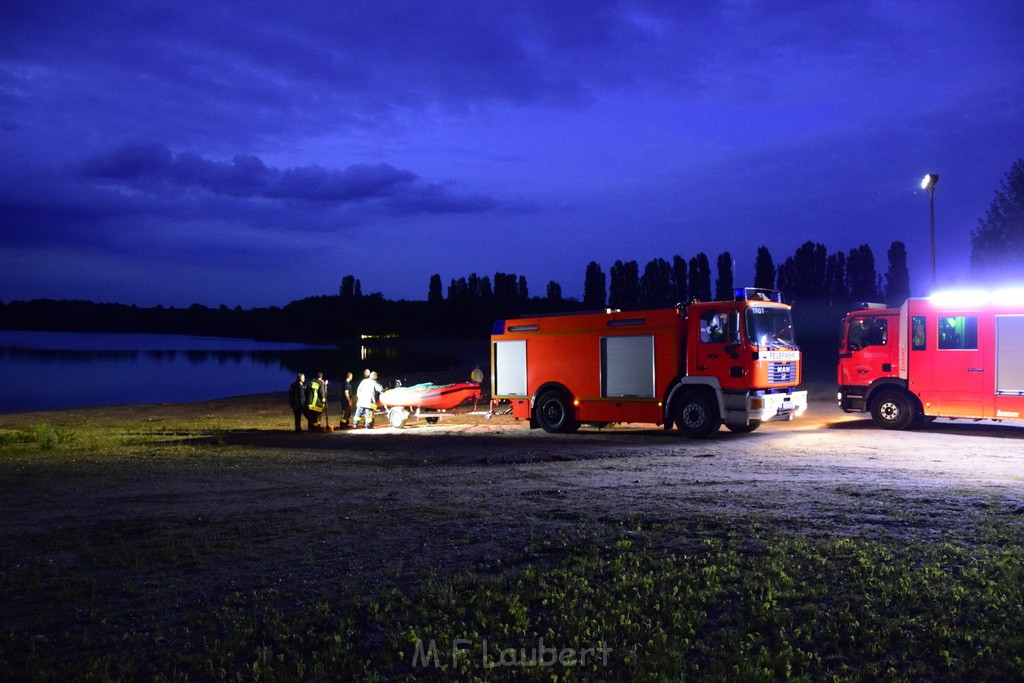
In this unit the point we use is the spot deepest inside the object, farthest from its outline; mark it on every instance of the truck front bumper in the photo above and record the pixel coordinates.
(772, 407)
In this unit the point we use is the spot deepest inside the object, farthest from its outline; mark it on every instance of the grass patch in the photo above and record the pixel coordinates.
(742, 603)
(41, 436)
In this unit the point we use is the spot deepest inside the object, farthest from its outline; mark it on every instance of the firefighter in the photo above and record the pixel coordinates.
(297, 398)
(316, 400)
(346, 402)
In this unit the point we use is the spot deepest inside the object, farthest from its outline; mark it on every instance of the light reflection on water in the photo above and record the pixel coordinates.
(54, 370)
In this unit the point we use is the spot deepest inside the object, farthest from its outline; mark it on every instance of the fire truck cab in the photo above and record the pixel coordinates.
(697, 367)
(951, 356)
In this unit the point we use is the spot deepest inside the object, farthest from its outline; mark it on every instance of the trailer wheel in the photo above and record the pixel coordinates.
(431, 420)
(696, 416)
(553, 413)
(397, 417)
(893, 410)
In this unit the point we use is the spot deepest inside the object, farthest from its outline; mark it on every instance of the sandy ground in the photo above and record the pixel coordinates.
(272, 508)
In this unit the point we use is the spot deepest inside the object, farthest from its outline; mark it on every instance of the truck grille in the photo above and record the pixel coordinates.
(780, 373)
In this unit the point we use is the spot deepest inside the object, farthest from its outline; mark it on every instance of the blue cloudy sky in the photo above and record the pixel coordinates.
(251, 153)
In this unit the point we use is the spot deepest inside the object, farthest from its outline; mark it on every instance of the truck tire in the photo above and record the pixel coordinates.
(696, 415)
(893, 410)
(553, 413)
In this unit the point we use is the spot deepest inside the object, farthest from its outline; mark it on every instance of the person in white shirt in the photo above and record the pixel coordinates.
(366, 399)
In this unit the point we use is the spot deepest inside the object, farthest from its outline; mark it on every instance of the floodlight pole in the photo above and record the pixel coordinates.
(929, 182)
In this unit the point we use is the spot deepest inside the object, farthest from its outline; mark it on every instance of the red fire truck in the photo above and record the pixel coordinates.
(698, 366)
(955, 355)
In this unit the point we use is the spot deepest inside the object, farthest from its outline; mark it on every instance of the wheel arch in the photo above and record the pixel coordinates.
(544, 388)
(890, 384)
(681, 385)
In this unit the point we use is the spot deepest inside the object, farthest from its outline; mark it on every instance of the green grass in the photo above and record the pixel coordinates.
(42, 437)
(703, 598)
(116, 441)
(740, 603)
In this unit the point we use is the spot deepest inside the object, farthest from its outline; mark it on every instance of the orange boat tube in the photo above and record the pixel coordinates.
(431, 396)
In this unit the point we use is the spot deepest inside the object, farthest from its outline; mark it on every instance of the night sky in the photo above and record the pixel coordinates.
(254, 153)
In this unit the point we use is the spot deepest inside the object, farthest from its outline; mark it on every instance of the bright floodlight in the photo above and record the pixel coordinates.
(929, 181)
(961, 298)
(973, 298)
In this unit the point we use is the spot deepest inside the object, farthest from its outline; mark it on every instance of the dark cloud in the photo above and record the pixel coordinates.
(153, 167)
(233, 73)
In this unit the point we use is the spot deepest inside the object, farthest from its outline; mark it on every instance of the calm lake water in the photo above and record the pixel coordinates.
(55, 370)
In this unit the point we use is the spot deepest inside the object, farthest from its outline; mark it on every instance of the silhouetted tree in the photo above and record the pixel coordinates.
(700, 277)
(656, 285)
(802, 276)
(524, 293)
(897, 277)
(679, 280)
(458, 290)
(554, 291)
(861, 277)
(594, 286)
(348, 287)
(724, 281)
(810, 260)
(506, 287)
(434, 292)
(785, 279)
(764, 269)
(835, 278)
(997, 244)
(624, 288)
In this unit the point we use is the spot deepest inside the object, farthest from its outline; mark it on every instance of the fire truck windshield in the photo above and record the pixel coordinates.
(769, 327)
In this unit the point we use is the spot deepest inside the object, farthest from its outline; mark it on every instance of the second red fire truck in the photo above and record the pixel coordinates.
(696, 367)
(956, 355)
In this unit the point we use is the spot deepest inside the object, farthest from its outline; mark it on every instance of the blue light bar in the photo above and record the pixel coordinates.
(757, 294)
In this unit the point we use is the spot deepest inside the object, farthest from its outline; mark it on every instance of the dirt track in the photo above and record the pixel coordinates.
(272, 507)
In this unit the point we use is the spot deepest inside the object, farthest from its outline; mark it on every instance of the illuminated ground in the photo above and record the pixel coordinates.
(217, 499)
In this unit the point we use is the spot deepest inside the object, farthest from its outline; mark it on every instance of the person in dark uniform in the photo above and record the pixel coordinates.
(346, 401)
(297, 399)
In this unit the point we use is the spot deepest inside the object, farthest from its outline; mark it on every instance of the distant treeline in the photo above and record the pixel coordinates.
(320, 319)
(811, 278)
(820, 285)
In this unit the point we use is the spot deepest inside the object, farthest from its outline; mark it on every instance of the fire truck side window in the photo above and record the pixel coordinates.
(713, 327)
(958, 332)
(920, 340)
(868, 332)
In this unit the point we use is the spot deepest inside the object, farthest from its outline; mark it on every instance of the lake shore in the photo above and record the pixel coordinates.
(91, 369)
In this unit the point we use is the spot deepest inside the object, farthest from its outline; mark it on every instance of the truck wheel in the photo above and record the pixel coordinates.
(749, 427)
(696, 416)
(893, 410)
(553, 413)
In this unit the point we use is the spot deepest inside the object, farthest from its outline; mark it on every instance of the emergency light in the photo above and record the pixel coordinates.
(978, 297)
(756, 294)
